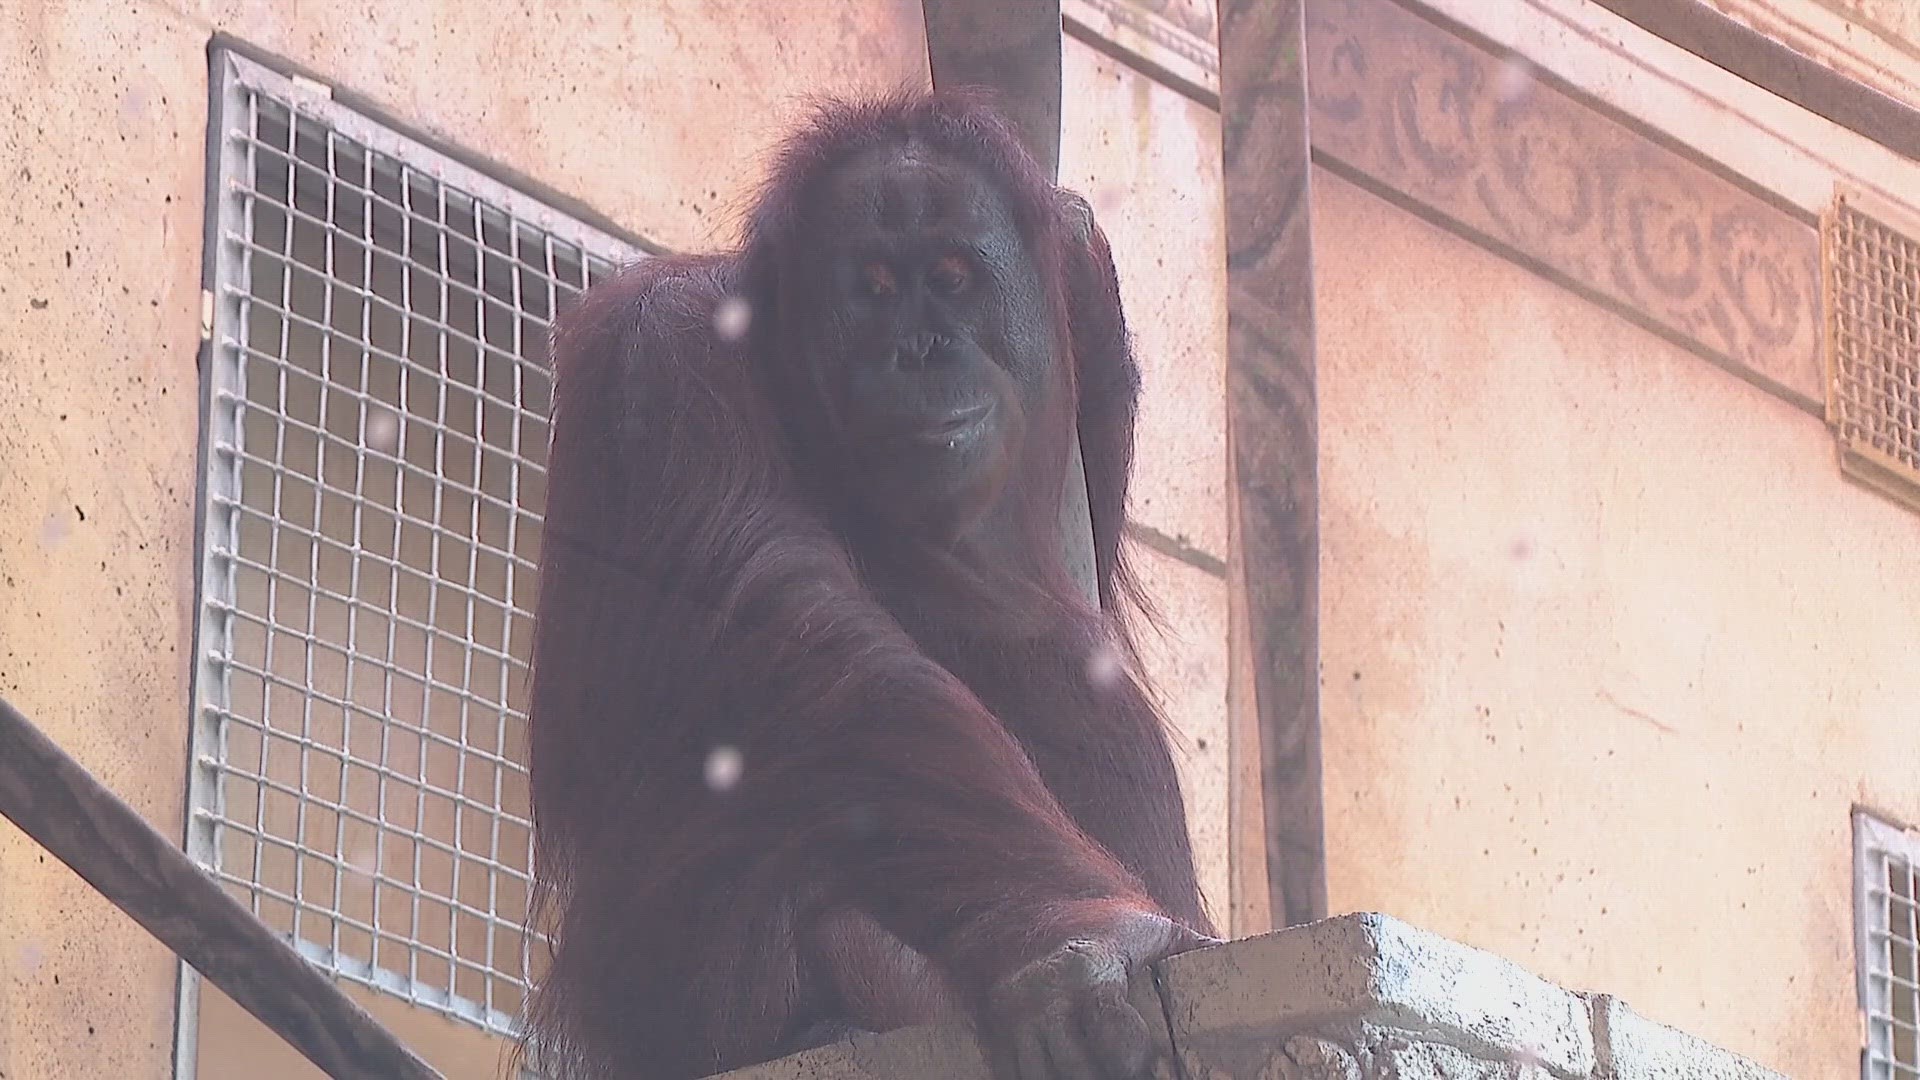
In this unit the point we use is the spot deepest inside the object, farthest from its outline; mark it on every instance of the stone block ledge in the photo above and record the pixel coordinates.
(1357, 997)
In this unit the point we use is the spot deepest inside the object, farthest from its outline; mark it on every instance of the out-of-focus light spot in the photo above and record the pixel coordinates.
(361, 857)
(1513, 81)
(731, 317)
(383, 431)
(1535, 559)
(1104, 667)
(723, 768)
(359, 865)
(54, 530)
(863, 822)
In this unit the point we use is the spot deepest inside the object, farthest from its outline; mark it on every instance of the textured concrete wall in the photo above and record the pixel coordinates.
(99, 279)
(1610, 647)
(654, 114)
(1352, 998)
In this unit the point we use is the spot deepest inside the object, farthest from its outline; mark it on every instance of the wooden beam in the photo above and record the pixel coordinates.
(1272, 436)
(61, 806)
(1013, 46)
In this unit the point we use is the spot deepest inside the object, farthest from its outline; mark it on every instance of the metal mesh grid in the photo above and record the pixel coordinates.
(1873, 300)
(1887, 890)
(374, 455)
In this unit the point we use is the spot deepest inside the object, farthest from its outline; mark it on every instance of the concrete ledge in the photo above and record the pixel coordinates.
(1353, 978)
(1351, 998)
(1635, 1048)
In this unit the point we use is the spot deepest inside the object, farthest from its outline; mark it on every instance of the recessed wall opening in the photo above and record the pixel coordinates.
(1873, 351)
(1887, 945)
(375, 435)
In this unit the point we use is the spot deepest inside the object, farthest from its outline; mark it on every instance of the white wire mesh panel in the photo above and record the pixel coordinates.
(374, 464)
(1887, 935)
(1873, 351)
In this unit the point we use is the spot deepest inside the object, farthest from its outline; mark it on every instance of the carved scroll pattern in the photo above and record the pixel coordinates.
(1482, 141)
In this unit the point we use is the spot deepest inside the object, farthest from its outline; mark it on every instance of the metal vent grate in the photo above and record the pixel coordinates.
(1873, 352)
(1887, 945)
(374, 445)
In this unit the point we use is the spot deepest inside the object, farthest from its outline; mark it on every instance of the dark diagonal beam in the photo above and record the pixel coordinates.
(62, 807)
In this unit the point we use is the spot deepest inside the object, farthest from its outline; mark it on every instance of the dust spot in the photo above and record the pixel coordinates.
(55, 529)
(731, 318)
(1104, 667)
(1514, 81)
(724, 765)
(862, 822)
(133, 104)
(383, 431)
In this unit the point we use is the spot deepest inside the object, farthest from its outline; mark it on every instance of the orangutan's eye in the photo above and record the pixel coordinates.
(877, 280)
(951, 276)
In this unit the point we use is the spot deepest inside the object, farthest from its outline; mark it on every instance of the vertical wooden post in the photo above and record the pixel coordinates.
(1273, 443)
(1012, 46)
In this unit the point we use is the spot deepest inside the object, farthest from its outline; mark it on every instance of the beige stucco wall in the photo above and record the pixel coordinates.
(1149, 161)
(654, 114)
(1610, 647)
(99, 312)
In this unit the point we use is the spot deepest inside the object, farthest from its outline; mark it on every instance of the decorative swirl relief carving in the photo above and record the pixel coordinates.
(1486, 144)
